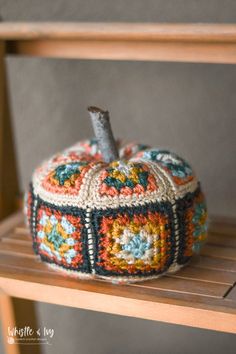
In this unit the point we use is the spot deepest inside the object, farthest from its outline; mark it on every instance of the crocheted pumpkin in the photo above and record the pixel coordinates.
(130, 219)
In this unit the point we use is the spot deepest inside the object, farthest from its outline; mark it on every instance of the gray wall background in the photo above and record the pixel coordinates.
(189, 108)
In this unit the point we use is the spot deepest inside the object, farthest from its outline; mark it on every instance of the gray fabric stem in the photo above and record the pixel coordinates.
(102, 129)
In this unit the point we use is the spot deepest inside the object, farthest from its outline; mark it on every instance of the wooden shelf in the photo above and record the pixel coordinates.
(209, 43)
(200, 295)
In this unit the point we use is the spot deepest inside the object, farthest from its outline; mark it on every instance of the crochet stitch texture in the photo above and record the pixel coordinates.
(133, 219)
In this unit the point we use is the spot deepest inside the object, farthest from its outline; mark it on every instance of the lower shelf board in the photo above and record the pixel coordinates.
(203, 294)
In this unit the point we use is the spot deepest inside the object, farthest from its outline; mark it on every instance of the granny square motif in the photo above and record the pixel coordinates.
(134, 241)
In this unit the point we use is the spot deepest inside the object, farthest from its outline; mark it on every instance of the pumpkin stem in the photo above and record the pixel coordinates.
(103, 132)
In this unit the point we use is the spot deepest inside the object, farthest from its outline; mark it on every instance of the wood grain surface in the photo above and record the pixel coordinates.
(211, 43)
(119, 31)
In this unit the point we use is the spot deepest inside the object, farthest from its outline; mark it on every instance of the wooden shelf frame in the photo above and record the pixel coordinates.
(207, 43)
(209, 301)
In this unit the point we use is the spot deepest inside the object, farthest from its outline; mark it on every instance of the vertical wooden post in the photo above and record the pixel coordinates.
(12, 311)
(9, 188)
(7, 320)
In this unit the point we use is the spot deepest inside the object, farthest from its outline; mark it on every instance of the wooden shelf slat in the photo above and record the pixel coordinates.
(117, 30)
(200, 295)
(210, 43)
(220, 252)
(208, 275)
(215, 263)
(199, 32)
(222, 239)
